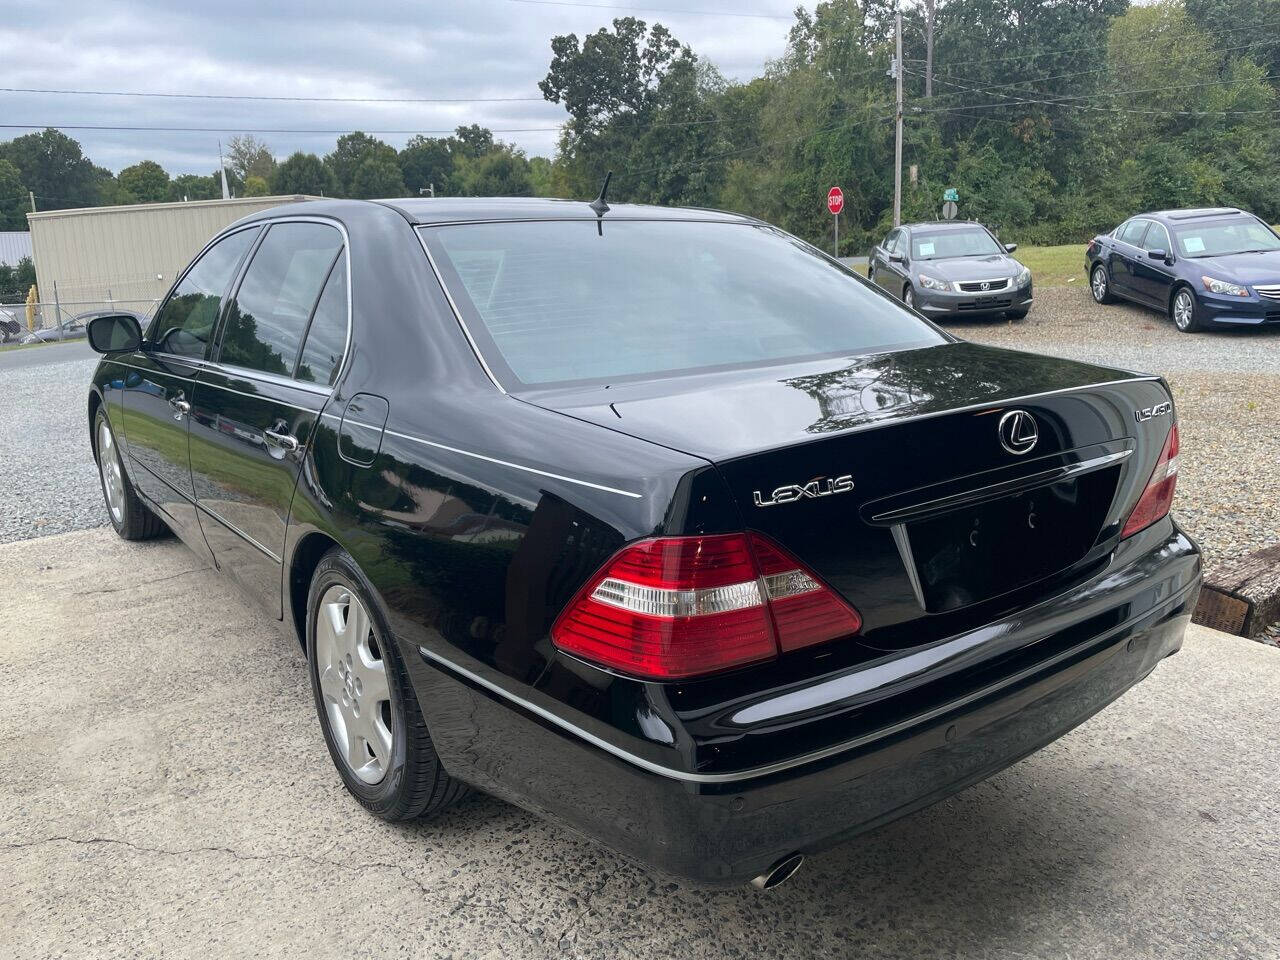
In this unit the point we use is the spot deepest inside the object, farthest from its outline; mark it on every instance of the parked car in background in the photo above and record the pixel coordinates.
(1204, 267)
(657, 522)
(71, 330)
(10, 326)
(951, 269)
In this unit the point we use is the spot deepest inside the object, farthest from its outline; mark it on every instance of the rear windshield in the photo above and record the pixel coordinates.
(1220, 238)
(935, 245)
(558, 301)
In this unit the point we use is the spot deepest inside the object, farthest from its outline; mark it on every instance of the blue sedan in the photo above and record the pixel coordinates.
(1201, 267)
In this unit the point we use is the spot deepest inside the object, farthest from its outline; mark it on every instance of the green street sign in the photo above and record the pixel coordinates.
(951, 194)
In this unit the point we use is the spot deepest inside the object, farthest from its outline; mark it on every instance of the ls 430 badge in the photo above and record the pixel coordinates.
(1147, 413)
(811, 490)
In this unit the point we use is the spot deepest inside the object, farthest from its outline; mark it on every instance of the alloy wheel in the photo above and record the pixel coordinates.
(909, 297)
(1184, 310)
(353, 682)
(112, 477)
(1099, 284)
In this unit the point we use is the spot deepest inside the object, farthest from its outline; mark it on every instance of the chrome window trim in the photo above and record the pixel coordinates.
(485, 457)
(219, 386)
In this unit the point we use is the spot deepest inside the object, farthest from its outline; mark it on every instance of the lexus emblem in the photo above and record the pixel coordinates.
(986, 284)
(1018, 432)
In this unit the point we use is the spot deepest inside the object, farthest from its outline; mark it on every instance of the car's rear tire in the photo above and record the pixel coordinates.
(1100, 285)
(131, 518)
(368, 710)
(1184, 311)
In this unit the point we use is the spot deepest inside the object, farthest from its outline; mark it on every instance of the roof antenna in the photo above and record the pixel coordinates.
(599, 204)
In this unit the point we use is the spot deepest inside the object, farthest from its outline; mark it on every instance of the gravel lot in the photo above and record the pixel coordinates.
(1227, 388)
(166, 793)
(48, 481)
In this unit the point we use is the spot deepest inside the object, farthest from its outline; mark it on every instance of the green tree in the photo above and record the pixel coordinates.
(304, 173)
(192, 186)
(351, 153)
(377, 176)
(15, 281)
(427, 161)
(473, 141)
(146, 181)
(504, 172)
(250, 157)
(52, 165)
(256, 186)
(13, 198)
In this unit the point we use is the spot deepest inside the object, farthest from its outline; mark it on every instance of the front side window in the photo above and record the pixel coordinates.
(1222, 238)
(963, 242)
(1157, 238)
(555, 301)
(185, 323)
(269, 315)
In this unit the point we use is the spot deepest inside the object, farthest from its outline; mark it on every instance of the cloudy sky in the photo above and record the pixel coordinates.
(323, 48)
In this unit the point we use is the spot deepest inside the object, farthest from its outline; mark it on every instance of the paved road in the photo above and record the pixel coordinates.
(18, 358)
(166, 793)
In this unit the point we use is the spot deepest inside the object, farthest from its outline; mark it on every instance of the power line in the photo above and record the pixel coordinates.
(280, 99)
(160, 129)
(625, 8)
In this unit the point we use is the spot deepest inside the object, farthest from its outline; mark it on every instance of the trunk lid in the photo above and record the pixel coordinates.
(934, 489)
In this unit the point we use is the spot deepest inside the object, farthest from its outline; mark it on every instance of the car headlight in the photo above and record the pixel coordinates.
(1023, 277)
(1214, 285)
(932, 283)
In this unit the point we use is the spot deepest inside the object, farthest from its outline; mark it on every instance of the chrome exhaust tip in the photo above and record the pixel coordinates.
(779, 873)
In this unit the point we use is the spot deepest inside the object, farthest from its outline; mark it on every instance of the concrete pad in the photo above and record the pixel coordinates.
(166, 793)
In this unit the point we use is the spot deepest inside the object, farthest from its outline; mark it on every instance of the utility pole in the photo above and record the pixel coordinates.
(930, 11)
(222, 171)
(31, 195)
(897, 140)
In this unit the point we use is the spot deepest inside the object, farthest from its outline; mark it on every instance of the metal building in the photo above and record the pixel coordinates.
(14, 245)
(103, 257)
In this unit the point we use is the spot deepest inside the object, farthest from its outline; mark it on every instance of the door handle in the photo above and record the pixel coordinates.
(285, 441)
(180, 407)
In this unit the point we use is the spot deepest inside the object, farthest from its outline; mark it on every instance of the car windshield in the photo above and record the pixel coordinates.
(1221, 238)
(939, 244)
(558, 301)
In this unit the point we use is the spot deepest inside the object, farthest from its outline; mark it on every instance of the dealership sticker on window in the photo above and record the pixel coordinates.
(1193, 244)
(926, 249)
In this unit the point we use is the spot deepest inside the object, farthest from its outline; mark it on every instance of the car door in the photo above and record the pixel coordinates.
(894, 276)
(254, 409)
(1123, 256)
(880, 257)
(160, 379)
(1153, 279)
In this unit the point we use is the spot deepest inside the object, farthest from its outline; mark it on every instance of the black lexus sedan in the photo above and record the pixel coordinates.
(952, 269)
(1201, 268)
(658, 522)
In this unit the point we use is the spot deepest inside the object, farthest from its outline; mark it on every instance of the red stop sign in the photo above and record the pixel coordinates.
(835, 200)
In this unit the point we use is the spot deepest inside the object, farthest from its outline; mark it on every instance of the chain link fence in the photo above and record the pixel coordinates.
(58, 314)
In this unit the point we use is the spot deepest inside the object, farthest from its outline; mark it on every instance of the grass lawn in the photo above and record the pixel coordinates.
(28, 346)
(1054, 266)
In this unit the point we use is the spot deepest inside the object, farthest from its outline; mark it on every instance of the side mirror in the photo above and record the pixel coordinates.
(897, 258)
(1158, 254)
(114, 333)
(1010, 247)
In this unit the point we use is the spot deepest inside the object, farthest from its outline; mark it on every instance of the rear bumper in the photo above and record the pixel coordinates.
(730, 827)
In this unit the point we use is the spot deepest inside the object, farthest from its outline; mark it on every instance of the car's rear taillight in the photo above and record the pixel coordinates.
(1158, 496)
(678, 607)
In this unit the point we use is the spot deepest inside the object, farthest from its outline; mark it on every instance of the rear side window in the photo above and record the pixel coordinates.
(268, 317)
(556, 301)
(186, 321)
(1132, 232)
(327, 337)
